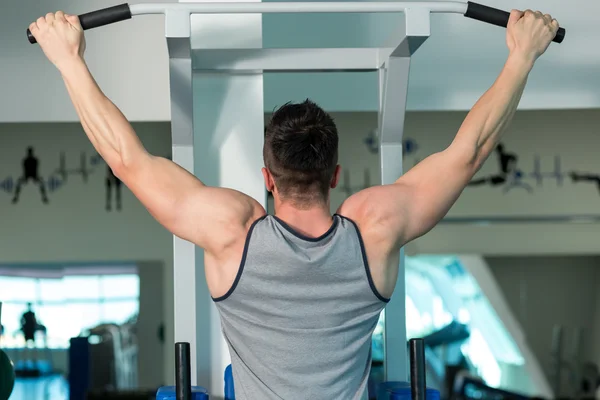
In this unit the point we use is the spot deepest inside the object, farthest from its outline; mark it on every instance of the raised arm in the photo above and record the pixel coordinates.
(417, 201)
(210, 217)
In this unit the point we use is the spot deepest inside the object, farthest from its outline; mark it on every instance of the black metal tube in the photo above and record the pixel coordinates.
(498, 17)
(418, 384)
(98, 18)
(183, 376)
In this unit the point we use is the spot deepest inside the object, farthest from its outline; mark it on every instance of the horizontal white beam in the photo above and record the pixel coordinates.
(299, 7)
(290, 60)
(524, 219)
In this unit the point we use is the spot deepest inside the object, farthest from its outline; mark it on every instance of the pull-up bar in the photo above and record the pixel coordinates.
(469, 9)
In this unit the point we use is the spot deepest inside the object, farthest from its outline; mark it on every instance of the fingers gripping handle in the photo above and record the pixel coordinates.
(499, 17)
(98, 18)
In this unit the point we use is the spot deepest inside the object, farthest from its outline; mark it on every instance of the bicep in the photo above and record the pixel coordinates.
(206, 216)
(432, 187)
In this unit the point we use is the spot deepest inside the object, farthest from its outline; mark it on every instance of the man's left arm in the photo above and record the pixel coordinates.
(397, 213)
(436, 183)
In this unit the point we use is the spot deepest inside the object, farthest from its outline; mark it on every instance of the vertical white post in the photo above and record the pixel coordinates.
(178, 31)
(393, 98)
(394, 86)
(228, 135)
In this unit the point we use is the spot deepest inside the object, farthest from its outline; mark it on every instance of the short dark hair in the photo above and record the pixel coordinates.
(301, 151)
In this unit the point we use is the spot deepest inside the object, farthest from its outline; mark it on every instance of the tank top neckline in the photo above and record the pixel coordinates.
(308, 238)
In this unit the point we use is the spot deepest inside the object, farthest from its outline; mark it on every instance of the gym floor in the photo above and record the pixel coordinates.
(45, 388)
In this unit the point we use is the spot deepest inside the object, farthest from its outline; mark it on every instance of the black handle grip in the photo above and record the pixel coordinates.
(183, 374)
(98, 18)
(500, 18)
(418, 384)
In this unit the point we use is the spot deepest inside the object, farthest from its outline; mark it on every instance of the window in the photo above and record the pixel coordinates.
(440, 290)
(67, 306)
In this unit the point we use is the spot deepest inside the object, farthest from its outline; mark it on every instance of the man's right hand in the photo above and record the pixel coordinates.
(529, 34)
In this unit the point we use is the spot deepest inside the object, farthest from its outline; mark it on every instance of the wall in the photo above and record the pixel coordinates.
(151, 356)
(569, 134)
(130, 62)
(547, 291)
(124, 59)
(75, 227)
(151, 316)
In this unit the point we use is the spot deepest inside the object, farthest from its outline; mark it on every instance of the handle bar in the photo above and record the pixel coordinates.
(499, 17)
(476, 11)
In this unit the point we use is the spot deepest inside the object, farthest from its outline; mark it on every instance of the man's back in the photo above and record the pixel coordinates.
(298, 319)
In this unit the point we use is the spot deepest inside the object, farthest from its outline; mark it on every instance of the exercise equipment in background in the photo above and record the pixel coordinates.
(34, 362)
(114, 355)
(103, 363)
(571, 375)
(7, 372)
(472, 388)
(417, 388)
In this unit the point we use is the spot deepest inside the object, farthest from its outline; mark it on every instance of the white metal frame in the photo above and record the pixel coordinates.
(193, 307)
(457, 7)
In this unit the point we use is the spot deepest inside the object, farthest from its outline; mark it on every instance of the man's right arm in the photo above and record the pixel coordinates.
(213, 218)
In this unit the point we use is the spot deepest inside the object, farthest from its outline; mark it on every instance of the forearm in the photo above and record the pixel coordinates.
(486, 123)
(105, 125)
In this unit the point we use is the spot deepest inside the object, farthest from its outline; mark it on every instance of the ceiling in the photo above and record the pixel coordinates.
(450, 71)
(463, 56)
(459, 61)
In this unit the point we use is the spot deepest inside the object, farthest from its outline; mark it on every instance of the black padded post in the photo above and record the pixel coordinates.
(418, 384)
(183, 376)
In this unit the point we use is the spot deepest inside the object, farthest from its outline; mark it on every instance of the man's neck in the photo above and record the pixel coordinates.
(311, 222)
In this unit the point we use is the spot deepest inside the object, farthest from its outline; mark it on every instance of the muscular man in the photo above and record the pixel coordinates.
(299, 292)
(30, 172)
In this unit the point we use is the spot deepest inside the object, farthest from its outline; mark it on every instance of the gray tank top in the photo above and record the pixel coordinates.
(299, 316)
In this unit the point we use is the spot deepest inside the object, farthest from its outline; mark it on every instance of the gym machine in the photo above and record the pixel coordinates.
(416, 389)
(582, 378)
(219, 71)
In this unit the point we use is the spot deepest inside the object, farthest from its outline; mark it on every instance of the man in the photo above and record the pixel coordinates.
(30, 172)
(29, 326)
(299, 293)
